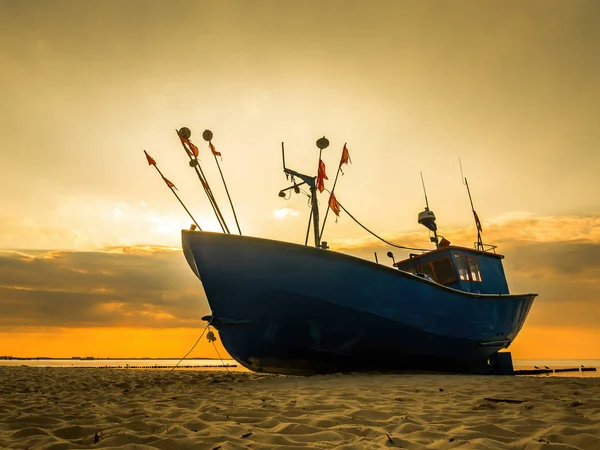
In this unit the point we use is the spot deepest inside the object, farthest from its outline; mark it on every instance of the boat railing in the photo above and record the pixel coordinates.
(485, 247)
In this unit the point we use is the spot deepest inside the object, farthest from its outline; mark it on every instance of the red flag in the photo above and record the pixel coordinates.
(151, 161)
(192, 147)
(213, 150)
(334, 204)
(321, 176)
(345, 156)
(171, 185)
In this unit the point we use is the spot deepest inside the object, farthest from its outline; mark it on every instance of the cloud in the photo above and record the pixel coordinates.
(566, 261)
(539, 228)
(133, 287)
(87, 222)
(284, 213)
(566, 275)
(507, 230)
(147, 286)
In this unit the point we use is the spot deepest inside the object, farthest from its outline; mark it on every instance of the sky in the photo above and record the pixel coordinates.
(90, 262)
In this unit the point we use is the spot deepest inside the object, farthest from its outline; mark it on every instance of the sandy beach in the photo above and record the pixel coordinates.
(64, 408)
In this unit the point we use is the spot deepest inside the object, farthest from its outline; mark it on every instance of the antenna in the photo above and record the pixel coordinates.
(427, 217)
(425, 193)
(475, 216)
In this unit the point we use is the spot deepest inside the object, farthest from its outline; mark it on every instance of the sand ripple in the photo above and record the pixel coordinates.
(70, 408)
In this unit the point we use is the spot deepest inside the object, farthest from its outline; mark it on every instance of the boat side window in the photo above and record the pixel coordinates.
(427, 270)
(474, 269)
(444, 271)
(461, 265)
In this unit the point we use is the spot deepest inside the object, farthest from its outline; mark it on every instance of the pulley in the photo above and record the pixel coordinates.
(207, 135)
(184, 132)
(322, 143)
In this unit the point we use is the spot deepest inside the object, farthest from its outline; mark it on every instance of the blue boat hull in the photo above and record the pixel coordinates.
(287, 308)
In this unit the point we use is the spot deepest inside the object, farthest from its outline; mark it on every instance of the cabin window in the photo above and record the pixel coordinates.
(461, 265)
(444, 271)
(474, 269)
(468, 268)
(427, 270)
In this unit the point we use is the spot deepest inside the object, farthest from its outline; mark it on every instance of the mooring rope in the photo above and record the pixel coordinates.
(193, 347)
(207, 327)
(379, 237)
(217, 350)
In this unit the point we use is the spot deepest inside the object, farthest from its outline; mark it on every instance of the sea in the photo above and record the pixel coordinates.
(114, 363)
(230, 364)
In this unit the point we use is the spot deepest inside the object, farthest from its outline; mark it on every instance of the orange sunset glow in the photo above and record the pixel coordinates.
(90, 244)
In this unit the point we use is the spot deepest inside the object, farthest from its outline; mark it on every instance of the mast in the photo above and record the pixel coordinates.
(312, 184)
(315, 213)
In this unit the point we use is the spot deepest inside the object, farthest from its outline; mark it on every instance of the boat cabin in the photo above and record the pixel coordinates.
(461, 268)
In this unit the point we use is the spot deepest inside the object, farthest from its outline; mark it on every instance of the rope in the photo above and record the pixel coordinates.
(217, 350)
(193, 347)
(380, 238)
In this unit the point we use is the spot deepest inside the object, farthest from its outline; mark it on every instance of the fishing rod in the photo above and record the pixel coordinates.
(171, 186)
(207, 135)
(184, 136)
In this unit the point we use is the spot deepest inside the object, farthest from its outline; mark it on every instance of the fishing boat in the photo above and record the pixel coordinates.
(288, 308)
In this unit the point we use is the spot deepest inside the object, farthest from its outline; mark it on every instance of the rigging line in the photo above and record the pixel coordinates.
(380, 238)
(193, 347)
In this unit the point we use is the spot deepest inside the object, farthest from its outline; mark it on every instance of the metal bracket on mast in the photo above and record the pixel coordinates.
(312, 184)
